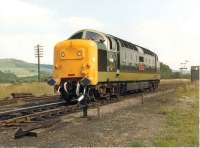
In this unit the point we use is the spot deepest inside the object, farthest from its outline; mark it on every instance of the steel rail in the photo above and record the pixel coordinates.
(58, 108)
(30, 117)
(11, 100)
(31, 109)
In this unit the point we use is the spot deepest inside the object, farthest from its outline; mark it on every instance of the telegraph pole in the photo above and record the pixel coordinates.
(38, 54)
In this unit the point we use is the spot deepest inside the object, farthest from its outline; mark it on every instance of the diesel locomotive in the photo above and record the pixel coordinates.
(91, 64)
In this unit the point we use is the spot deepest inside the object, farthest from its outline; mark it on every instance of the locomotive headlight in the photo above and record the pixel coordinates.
(79, 53)
(62, 54)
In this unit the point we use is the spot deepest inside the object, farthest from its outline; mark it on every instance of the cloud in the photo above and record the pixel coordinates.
(19, 12)
(24, 25)
(171, 40)
(173, 33)
(77, 23)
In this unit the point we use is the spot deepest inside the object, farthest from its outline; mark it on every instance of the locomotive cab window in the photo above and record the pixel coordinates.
(94, 36)
(141, 59)
(97, 38)
(77, 35)
(113, 43)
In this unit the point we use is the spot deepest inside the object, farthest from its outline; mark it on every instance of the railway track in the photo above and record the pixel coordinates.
(52, 110)
(26, 114)
(26, 97)
(39, 116)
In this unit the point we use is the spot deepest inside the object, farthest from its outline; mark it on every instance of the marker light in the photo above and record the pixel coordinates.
(79, 53)
(62, 54)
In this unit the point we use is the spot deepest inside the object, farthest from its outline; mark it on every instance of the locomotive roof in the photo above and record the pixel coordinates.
(146, 51)
(131, 45)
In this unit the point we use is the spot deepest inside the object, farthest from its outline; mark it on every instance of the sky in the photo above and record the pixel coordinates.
(169, 28)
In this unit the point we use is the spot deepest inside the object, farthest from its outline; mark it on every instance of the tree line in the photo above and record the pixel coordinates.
(167, 73)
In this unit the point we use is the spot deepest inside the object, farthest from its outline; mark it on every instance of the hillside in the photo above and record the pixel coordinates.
(21, 68)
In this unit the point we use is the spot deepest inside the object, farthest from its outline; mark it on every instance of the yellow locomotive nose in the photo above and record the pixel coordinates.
(76, 59)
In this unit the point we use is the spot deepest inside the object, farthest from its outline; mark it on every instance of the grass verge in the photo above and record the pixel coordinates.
(35, 88)
(182, 124)
(138, 143)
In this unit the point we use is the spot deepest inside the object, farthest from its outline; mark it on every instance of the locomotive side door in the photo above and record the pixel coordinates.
(113, 57)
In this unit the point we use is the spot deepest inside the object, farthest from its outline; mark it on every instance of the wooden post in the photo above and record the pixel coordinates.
(142, 97)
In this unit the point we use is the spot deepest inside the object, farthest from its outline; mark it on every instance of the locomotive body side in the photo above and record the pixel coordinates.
(127, 76)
